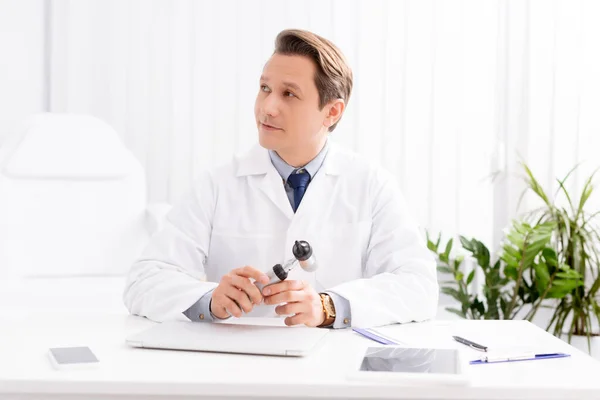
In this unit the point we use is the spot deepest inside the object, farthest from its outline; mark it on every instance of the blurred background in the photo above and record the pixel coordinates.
(449, 95)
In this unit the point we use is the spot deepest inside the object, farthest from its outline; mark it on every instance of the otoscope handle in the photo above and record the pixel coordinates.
(276, 274)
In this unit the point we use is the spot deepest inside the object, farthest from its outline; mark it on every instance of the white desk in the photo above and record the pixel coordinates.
(25, 372)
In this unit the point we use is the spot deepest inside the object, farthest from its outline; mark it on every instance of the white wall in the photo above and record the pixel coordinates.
(22, 58)
(446, 92)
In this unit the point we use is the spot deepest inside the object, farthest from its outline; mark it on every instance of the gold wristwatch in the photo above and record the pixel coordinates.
(328, 310)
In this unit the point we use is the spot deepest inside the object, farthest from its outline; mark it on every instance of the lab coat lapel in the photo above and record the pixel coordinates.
(271, 185)
(320, 196)
(262, 175)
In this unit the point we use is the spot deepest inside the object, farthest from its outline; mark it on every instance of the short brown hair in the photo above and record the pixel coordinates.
(333, 77)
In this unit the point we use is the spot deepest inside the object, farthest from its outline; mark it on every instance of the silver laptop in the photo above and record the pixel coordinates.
(229, 338)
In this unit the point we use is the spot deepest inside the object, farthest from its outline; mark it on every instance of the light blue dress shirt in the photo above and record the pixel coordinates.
(342, 305)
(285, 170)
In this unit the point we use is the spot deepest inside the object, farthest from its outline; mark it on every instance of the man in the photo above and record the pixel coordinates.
(244, 217)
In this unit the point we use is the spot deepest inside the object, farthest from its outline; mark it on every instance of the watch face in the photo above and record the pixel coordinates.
(328, 306)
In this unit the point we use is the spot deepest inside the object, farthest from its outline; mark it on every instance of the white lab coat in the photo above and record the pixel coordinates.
(364, 237)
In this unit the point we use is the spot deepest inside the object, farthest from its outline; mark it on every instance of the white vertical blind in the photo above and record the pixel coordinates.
(446, 92)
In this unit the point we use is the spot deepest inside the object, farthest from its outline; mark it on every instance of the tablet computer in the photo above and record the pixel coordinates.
(411, 366)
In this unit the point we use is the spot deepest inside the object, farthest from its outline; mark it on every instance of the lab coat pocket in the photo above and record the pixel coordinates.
(341, 250)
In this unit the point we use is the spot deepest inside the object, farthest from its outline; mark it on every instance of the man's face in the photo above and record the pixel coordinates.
(287, 105)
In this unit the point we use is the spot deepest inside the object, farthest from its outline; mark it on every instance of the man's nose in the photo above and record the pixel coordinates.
(270, 105)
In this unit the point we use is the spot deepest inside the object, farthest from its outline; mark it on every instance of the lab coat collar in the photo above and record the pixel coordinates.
(257, 161)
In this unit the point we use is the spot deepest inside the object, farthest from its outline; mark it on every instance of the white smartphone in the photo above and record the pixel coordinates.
(72, 358)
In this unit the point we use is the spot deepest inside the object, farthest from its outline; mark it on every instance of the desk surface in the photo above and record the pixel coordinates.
(128, 372)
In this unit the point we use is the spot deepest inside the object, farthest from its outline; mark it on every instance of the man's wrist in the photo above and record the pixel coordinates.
(328, 310)
(213, 315)
(200, 310)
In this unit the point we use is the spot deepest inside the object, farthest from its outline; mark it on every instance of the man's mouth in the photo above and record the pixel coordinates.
(270, 127)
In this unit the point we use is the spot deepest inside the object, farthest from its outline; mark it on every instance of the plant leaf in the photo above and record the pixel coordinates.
(550, 256)
(542, 277)
(466, 244)
(470, 277)
(562, 287)
(457, 312)
(447, 270)
(586, 193)
(511, 272)
(535, 186)
(448, 248)
(451, 292)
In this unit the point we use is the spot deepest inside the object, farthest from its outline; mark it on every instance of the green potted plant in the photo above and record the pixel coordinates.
(524, 274)
(576, 238)
(548, 259)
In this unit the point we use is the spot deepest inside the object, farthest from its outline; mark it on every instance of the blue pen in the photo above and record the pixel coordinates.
(528, 357)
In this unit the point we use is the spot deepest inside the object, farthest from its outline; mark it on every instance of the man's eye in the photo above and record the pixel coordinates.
(289, 94)
(264, 88)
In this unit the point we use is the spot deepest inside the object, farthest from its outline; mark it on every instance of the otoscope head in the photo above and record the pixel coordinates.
(302, 250)
(304, 254)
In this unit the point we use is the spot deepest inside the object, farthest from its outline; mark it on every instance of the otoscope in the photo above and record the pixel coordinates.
(303, 255)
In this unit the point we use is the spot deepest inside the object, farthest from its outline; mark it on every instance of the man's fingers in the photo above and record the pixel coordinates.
(284, 287)
(250, 272)
(231, 307)
(297, 319)
(248, 287)
(286, 297)
(292, 308)
(220, 312)
(240, 297)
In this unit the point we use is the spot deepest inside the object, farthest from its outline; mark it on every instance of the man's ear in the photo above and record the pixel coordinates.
(336, 109)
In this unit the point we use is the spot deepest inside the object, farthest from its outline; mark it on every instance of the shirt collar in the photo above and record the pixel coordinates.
(285, 170)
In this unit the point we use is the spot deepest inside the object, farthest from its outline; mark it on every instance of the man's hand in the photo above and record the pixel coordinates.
(236, 292)
(303, 302)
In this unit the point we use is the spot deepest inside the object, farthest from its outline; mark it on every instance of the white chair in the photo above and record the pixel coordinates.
(72, 200)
